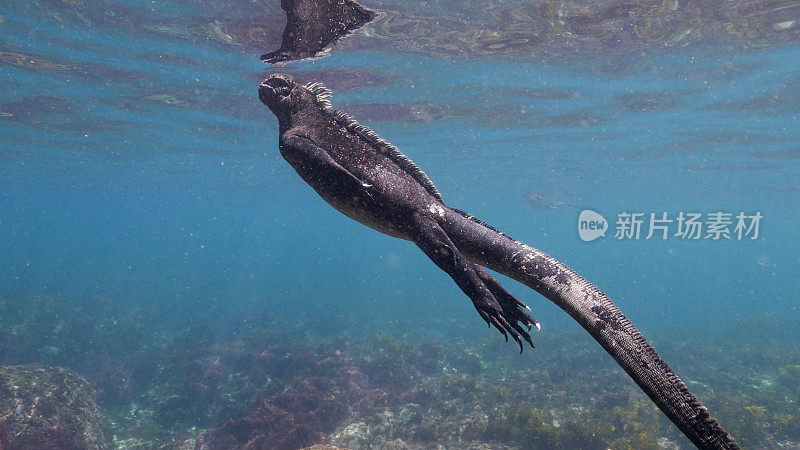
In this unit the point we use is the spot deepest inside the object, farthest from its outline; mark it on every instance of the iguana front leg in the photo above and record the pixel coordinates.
(494, 303)
(309, 158)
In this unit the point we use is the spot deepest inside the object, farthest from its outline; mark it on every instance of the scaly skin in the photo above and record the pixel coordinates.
(368, 180)
(313, 25)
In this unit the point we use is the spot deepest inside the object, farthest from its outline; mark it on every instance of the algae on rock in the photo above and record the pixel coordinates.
(49, 408)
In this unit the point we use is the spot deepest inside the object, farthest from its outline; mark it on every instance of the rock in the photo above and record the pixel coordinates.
(48, 408)
(295, 419)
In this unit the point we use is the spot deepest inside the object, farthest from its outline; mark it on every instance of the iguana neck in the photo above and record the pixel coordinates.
(307, 115)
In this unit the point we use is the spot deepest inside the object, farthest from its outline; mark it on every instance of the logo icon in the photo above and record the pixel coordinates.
(591, 225)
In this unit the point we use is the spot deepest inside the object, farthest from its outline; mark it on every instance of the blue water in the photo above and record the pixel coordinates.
(139, 172)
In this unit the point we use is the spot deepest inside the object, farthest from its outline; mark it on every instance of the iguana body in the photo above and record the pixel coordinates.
(370, 181)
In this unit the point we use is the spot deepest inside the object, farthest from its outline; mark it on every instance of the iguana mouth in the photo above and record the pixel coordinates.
(274, 88)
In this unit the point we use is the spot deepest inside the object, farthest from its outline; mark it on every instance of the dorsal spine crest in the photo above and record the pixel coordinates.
(371, 138)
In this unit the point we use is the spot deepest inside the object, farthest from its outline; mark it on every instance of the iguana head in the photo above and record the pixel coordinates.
(283, 96)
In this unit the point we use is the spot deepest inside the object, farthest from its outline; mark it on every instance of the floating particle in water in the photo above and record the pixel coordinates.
(36, 110)
(650, 101)
(546, 201)
(167, 99)
(344, 78)
(764, 261)
(30, 61)
(400, 112)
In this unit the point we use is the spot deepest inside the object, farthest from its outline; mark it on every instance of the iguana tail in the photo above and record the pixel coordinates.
(597, 314)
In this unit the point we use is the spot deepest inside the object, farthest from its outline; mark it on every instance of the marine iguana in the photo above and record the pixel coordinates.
(312, 25)
(369, 180)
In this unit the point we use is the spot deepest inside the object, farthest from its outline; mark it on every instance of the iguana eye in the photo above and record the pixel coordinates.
(283, 90)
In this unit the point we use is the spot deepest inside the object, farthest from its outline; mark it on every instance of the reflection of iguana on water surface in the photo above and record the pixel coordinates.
(313, 25)
(369, 180)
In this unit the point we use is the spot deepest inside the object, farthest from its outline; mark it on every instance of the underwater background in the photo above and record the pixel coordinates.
(153, 240)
